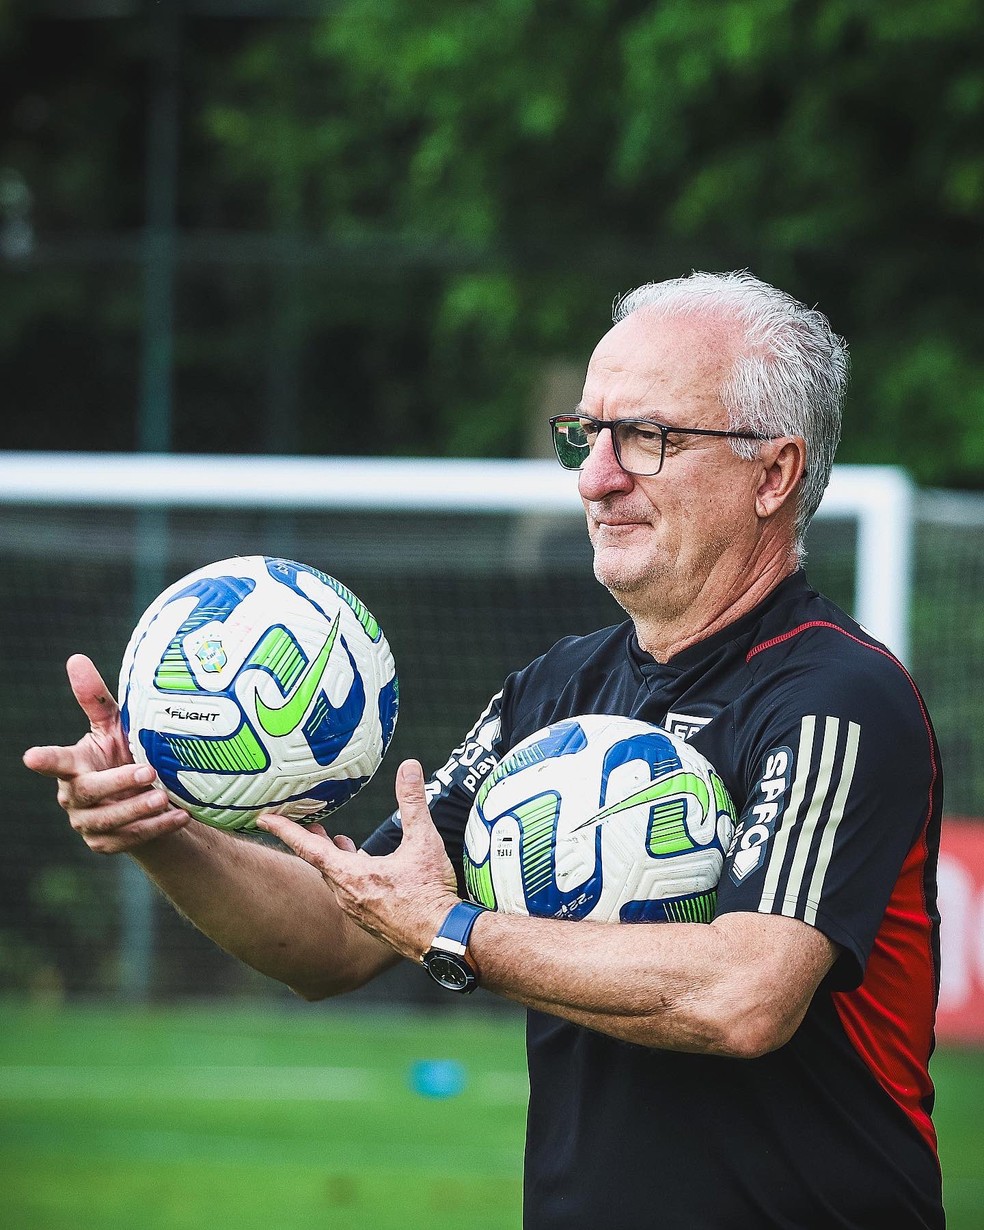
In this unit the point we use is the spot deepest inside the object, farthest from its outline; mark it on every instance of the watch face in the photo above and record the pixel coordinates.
(449, 971)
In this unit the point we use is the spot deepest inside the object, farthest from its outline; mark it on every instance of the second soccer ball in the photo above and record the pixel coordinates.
(600, 817)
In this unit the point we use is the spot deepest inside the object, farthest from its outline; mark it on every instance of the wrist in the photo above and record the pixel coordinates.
(431, 926)
(447, 959)
(187, 842)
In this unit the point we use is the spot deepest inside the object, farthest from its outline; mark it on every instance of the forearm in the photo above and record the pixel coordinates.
(716, 989)
(737, 986)
(266, 907)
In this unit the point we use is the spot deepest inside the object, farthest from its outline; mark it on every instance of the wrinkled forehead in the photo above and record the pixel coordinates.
(649, 362)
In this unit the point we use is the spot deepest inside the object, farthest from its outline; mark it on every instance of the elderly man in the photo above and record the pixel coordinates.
(769, 1069)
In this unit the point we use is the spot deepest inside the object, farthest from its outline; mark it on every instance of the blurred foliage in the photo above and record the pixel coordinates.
(390, 217)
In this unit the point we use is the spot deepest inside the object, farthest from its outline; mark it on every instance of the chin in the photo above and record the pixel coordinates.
(622, 582)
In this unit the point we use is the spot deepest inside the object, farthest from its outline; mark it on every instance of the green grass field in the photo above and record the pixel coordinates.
(309, 1117)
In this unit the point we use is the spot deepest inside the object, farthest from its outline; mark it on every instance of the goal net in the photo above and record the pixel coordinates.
(472, 569)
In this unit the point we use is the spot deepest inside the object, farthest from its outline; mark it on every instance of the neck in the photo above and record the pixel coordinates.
(720, 601)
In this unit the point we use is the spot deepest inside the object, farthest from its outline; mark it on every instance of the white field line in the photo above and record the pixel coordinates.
(503, 1088)
(221, 1082)
(193, 1083)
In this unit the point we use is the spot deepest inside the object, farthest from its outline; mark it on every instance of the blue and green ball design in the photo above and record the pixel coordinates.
(600, 817)
(259, 684)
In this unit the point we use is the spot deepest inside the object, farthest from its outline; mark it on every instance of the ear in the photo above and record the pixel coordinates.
(784, 463)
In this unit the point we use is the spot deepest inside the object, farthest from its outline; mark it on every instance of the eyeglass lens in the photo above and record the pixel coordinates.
(639, 448)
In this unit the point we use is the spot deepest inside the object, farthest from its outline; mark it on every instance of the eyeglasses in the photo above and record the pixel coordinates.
(639, 444)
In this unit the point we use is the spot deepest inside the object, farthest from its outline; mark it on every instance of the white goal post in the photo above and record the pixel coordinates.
(879, 498)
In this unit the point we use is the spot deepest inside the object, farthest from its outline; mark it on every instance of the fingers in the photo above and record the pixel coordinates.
(122, 820)
(96, 820)
(113, 809)
(130, 837)
(103, 786)
(111, 803)
(95, 699)
(98, 802)
(68, 765)
(51, 761)
(315, 848)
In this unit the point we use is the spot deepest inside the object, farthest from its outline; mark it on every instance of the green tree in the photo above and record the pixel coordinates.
(458, 191)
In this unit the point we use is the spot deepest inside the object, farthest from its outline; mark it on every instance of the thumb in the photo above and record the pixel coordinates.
(411, 797)
(94, 697)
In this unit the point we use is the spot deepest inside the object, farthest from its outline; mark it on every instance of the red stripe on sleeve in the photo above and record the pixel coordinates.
(889, 1018)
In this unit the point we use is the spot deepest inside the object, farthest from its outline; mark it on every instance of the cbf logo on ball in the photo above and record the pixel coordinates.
(600, 817)
(258, 684)
(211, 655)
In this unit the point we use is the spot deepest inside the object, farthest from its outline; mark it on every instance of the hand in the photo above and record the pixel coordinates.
(402, 897)
(110, 801)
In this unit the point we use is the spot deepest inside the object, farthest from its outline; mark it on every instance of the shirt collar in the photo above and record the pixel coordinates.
(794, 585)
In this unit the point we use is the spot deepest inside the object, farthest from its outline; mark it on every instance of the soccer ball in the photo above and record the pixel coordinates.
(258, 684)
(600, 817)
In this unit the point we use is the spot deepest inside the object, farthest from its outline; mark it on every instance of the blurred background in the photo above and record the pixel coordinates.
(366, 228)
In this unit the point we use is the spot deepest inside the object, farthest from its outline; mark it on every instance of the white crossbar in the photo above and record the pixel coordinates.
(880, 498)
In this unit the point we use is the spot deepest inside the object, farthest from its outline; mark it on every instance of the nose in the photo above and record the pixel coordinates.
(601, 474)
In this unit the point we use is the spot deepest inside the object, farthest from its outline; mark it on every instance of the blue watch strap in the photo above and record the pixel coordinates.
(458, 923)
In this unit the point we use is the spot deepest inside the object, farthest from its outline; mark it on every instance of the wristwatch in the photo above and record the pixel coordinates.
(446, 960)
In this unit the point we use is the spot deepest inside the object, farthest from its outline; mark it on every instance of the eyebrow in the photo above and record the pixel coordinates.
(579, 409)
(642, 418)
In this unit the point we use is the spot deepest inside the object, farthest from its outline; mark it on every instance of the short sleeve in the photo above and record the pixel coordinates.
(843, 778)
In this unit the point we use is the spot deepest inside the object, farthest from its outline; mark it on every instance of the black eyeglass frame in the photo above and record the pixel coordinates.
(664, 430)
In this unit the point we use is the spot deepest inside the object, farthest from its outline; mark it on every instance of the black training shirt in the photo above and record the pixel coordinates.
(829, 754)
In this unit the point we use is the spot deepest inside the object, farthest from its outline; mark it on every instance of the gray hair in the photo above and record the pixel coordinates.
(791, 379)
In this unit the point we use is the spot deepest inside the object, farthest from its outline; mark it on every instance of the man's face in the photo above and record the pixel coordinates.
(658, 540)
